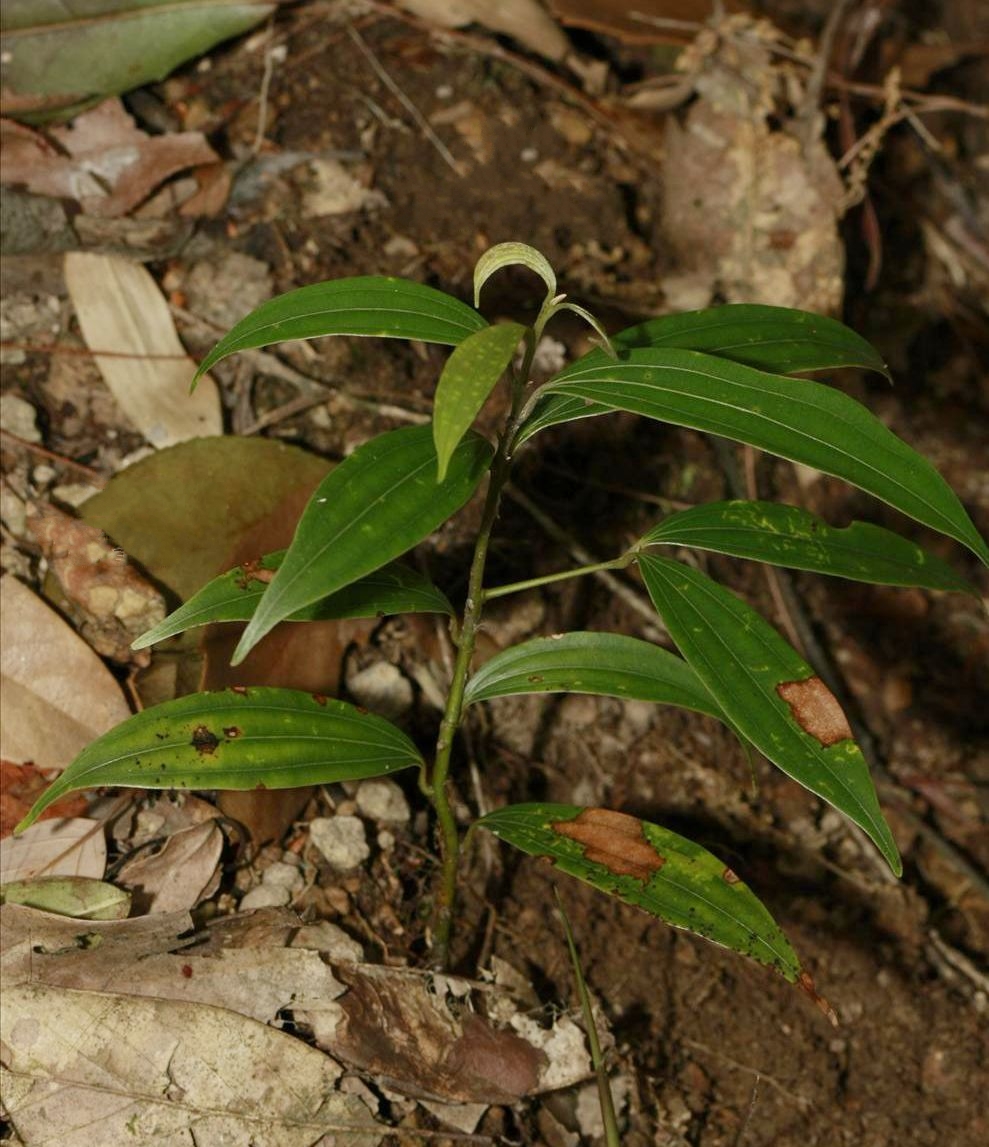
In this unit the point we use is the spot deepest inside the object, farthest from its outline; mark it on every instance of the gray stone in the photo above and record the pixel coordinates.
(340, 840)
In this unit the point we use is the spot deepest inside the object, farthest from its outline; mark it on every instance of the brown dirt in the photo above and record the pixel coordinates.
(719, 1053)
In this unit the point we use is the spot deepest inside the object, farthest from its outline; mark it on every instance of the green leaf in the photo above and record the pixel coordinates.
(653, 868)
(237, 739)
(468, 378)
(605, 663)
(775, 339)
(79, 896)
(509, 255)
(768, 692)
(367, 305)
(795, 418)
(374, 506)
(61, 55)
(789, 536)
(234, 595)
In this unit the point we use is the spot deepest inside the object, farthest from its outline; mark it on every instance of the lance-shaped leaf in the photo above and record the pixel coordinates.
(768, 692)
(367, 305)
(234, 595)
(377, 504)
(509, 255)
(775, 339)
(468, 378)
(608, 664)
(238, 739)
(795, 418)
(653, 868)
(789, 536)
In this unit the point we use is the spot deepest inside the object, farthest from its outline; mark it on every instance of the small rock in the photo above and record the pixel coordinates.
(331, 939)
(341, 841)
(282, 875)
(13, 512)
(265, 896)
(382, 688)
(18, 417)
(383, 800)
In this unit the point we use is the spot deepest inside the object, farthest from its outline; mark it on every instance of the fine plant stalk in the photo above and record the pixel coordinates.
(563, 575)
(605, 1099)
(437, 787)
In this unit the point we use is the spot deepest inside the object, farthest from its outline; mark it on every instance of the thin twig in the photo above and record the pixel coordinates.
(61, 459)
(424, 125)
(269, 69)
(800, 1100)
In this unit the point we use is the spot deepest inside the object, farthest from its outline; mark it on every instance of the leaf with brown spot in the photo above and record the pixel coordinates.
(816, 710)
(653, 868)
(286, 740)
(765, 689)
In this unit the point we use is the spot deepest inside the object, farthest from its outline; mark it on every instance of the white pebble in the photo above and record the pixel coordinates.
(341, 841)
(331, 939)
(282, 875)
(384, 801)
(18, 416)
(382, 688)
(265, 896)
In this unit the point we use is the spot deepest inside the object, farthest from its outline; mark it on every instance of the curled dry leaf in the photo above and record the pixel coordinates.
(71, 847)
(524, 20)
(181, 874)
(102, 160)
(121, 310)
(112, 602)
(57, 695)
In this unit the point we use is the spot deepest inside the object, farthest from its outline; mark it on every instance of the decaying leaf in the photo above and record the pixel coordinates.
(102, 160)
(750, 212)
(524, 20)
(71, 847)
(57, 695)
(148, 1071)
(178, 876)
(20, 787)
(121, 310)
(400, 1025)
(113, 603)
(816, 710)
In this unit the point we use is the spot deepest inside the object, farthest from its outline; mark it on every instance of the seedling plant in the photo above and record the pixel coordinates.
(733, 371)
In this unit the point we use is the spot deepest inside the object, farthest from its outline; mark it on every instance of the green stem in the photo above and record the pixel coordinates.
(438, 784)
(547, 579)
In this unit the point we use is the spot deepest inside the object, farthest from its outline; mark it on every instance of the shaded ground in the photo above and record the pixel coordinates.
(715, 1052)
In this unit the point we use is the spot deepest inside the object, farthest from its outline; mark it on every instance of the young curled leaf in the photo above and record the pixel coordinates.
(234, 596)
(377, 504)
(768, 692)
(788, 536)
(653, 868)
(608, 664)
(469, 376)
(366, 305)
(258, 738)
(508, 255)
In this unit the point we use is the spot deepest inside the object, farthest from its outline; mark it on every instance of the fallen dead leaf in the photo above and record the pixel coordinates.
(79, 897)
(20, 787)
(121, 310)
(101, 159)
(181, 874)
(113, 603)
(148, 1071)
(524, 20)
(57, 694)
(75, 846)
(644, 22)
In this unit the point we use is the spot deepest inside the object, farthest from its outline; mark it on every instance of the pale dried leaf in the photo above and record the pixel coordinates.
(71, 847)
(120, 309)
(57, 695)
(524, 20)
(102, 159)
(158, 1072)
(178, 876)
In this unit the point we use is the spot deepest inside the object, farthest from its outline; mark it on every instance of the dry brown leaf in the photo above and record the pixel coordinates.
(74, 846)
(181, 874)
(641, 22)
(121, 310)
(146, 1071)
(101, 159)
(20, 787)
(57, 695)
(113, 603)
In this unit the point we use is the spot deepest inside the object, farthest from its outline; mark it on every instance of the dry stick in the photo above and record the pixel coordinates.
(619, 588)
(85, 351)
(61, 459)
(424, 125)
